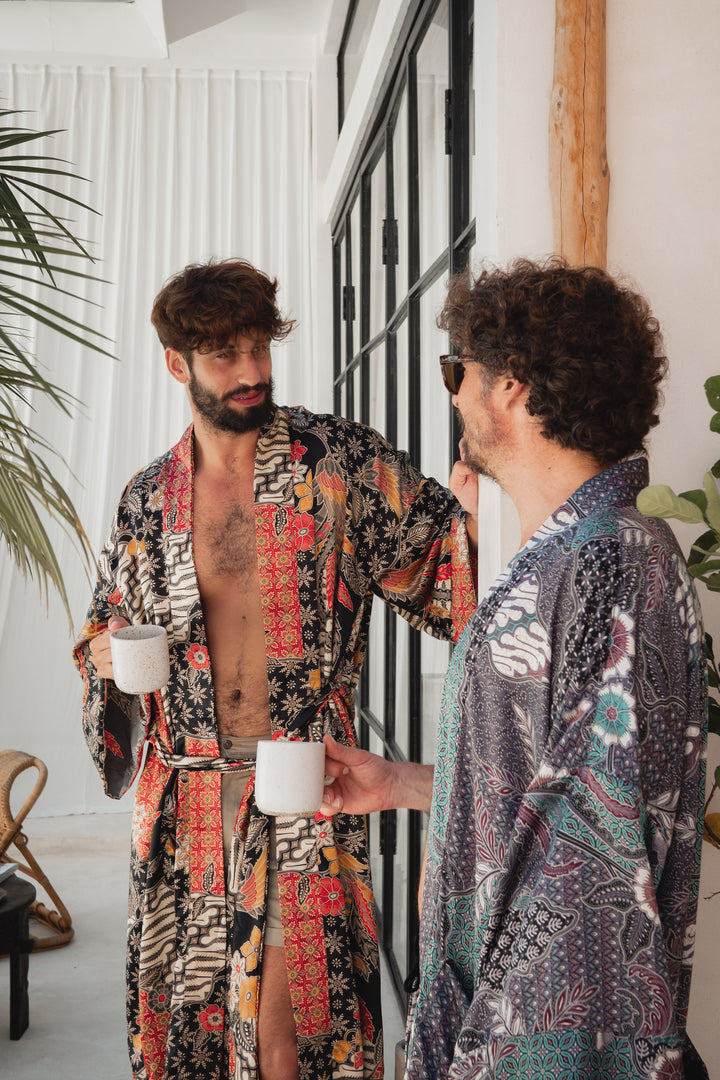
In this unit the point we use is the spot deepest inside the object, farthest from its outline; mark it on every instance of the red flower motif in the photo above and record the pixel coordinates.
(212, 1018)
(297, 450)
(330, 896)
(197, 657)
(305, 526)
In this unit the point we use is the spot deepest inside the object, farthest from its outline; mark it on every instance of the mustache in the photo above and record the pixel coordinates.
(244, 389)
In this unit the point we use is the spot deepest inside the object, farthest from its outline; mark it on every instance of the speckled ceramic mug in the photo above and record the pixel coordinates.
(289, 776)
(141, 662)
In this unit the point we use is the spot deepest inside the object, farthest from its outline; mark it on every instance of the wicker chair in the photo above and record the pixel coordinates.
(12, 763)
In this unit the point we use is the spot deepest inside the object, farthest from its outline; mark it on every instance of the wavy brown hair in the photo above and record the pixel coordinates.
(589, 349)
(207, 304)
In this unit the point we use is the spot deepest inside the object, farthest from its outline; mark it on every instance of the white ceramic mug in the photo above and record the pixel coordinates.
(140, 658)
(289, 776)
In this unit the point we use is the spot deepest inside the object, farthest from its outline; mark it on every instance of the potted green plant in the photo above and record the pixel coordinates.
(39, 260)
(700, 506)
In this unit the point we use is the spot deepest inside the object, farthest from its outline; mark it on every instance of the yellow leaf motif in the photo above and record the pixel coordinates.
(315, 679)
(333, 490)
(304, 495)
(387, 482)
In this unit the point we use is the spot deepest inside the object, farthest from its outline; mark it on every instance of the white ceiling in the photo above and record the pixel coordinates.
(235, 32)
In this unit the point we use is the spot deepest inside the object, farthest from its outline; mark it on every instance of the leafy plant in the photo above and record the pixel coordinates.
(38, 251)
(700, 506)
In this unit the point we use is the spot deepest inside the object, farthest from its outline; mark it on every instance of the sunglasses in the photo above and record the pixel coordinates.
(452, 368)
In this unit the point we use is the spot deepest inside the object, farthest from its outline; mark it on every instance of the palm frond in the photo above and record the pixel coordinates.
(38, 251)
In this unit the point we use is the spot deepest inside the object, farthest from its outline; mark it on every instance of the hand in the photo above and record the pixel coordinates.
(463, 484)
(100, 648)
(364, 782)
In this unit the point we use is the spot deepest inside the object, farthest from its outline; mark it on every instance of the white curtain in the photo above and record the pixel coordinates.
(184, 166)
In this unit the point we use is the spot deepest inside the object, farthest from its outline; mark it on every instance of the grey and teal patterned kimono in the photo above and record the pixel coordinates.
(340, 517)
(564, 841)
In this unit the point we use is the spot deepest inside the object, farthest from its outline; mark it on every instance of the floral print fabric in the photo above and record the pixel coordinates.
(564, 840)
(340, 517)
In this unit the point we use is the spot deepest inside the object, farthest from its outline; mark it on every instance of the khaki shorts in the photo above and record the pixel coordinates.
(233, 789)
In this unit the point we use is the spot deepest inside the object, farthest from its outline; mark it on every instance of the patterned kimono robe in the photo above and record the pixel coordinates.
(564, 839)
(340, 516)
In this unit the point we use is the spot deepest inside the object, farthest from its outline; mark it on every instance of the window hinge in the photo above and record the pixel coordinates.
(448, 122)
(348, 303)
(390, 242)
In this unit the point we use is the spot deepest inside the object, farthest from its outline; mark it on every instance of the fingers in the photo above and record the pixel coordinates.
(338, 758)
(100, 648)
(331, 802)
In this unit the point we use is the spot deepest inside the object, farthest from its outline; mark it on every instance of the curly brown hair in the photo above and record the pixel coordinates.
(207, 304)
(589, 349)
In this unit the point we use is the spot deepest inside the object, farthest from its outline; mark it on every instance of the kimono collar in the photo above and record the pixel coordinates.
(618, 486)
(274, 434)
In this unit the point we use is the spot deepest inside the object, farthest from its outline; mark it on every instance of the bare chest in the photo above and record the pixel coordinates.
(224, 541)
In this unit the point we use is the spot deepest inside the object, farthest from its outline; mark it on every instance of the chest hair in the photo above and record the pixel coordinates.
(227, 542)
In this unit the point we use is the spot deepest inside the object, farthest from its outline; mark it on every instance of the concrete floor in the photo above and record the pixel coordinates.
(77, 993)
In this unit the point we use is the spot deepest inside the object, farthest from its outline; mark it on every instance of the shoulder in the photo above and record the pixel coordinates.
(338, 435)
(611, 552)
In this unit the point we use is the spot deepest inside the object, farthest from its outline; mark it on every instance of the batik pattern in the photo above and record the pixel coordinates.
(564, 840)
(340, 517)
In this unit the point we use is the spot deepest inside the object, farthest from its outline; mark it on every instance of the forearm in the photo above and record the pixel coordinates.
(412, 786)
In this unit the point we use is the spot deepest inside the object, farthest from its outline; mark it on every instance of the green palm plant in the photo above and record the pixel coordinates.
(700, 506)
(38, 255)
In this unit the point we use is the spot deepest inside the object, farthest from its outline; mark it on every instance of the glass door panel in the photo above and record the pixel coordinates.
(435, 402)
(403, 631)
(378, 214)
(356, 298)
(375, 663)
(401, 893)
(433, 79)
(378, 396)
(375, 746)
(402, 436)
(435, 657)
(400, 194)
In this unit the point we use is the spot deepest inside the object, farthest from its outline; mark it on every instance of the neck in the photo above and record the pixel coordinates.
(541, 482)
(223, 453)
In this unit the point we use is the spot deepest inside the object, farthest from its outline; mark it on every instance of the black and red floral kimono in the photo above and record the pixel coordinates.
(340, 517)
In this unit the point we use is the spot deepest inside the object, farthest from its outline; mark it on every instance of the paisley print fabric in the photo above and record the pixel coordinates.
(564, 838)
(340, 517)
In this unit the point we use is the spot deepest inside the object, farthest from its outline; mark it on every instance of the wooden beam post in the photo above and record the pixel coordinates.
(579, 173)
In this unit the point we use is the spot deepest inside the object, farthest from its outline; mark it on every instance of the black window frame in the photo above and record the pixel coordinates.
(353, 348)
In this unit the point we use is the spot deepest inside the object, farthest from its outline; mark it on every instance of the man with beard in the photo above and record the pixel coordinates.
(258, 542)
(561, 880)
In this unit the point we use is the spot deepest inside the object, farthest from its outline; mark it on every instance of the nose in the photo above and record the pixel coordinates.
(247, 369)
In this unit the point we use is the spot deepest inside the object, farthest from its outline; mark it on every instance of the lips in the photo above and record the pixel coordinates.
(248, 397)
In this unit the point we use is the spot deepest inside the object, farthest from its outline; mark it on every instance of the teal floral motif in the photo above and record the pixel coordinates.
(615, 720)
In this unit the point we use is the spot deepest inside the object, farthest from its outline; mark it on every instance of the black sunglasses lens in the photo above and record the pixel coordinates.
(452, 372)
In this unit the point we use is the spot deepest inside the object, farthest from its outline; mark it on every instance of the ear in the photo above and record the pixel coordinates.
(511, 393)
(177, 365)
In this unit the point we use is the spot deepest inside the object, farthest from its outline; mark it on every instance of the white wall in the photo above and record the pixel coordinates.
(664, 230)
(663, 100)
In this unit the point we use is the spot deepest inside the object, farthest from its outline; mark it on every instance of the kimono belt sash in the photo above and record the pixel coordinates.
(195, 763)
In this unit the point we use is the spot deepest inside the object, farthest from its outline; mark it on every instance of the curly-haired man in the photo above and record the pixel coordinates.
(561, 880)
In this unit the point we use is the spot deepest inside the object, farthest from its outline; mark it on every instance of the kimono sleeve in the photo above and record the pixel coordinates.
(421, 564)
(115, 724)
